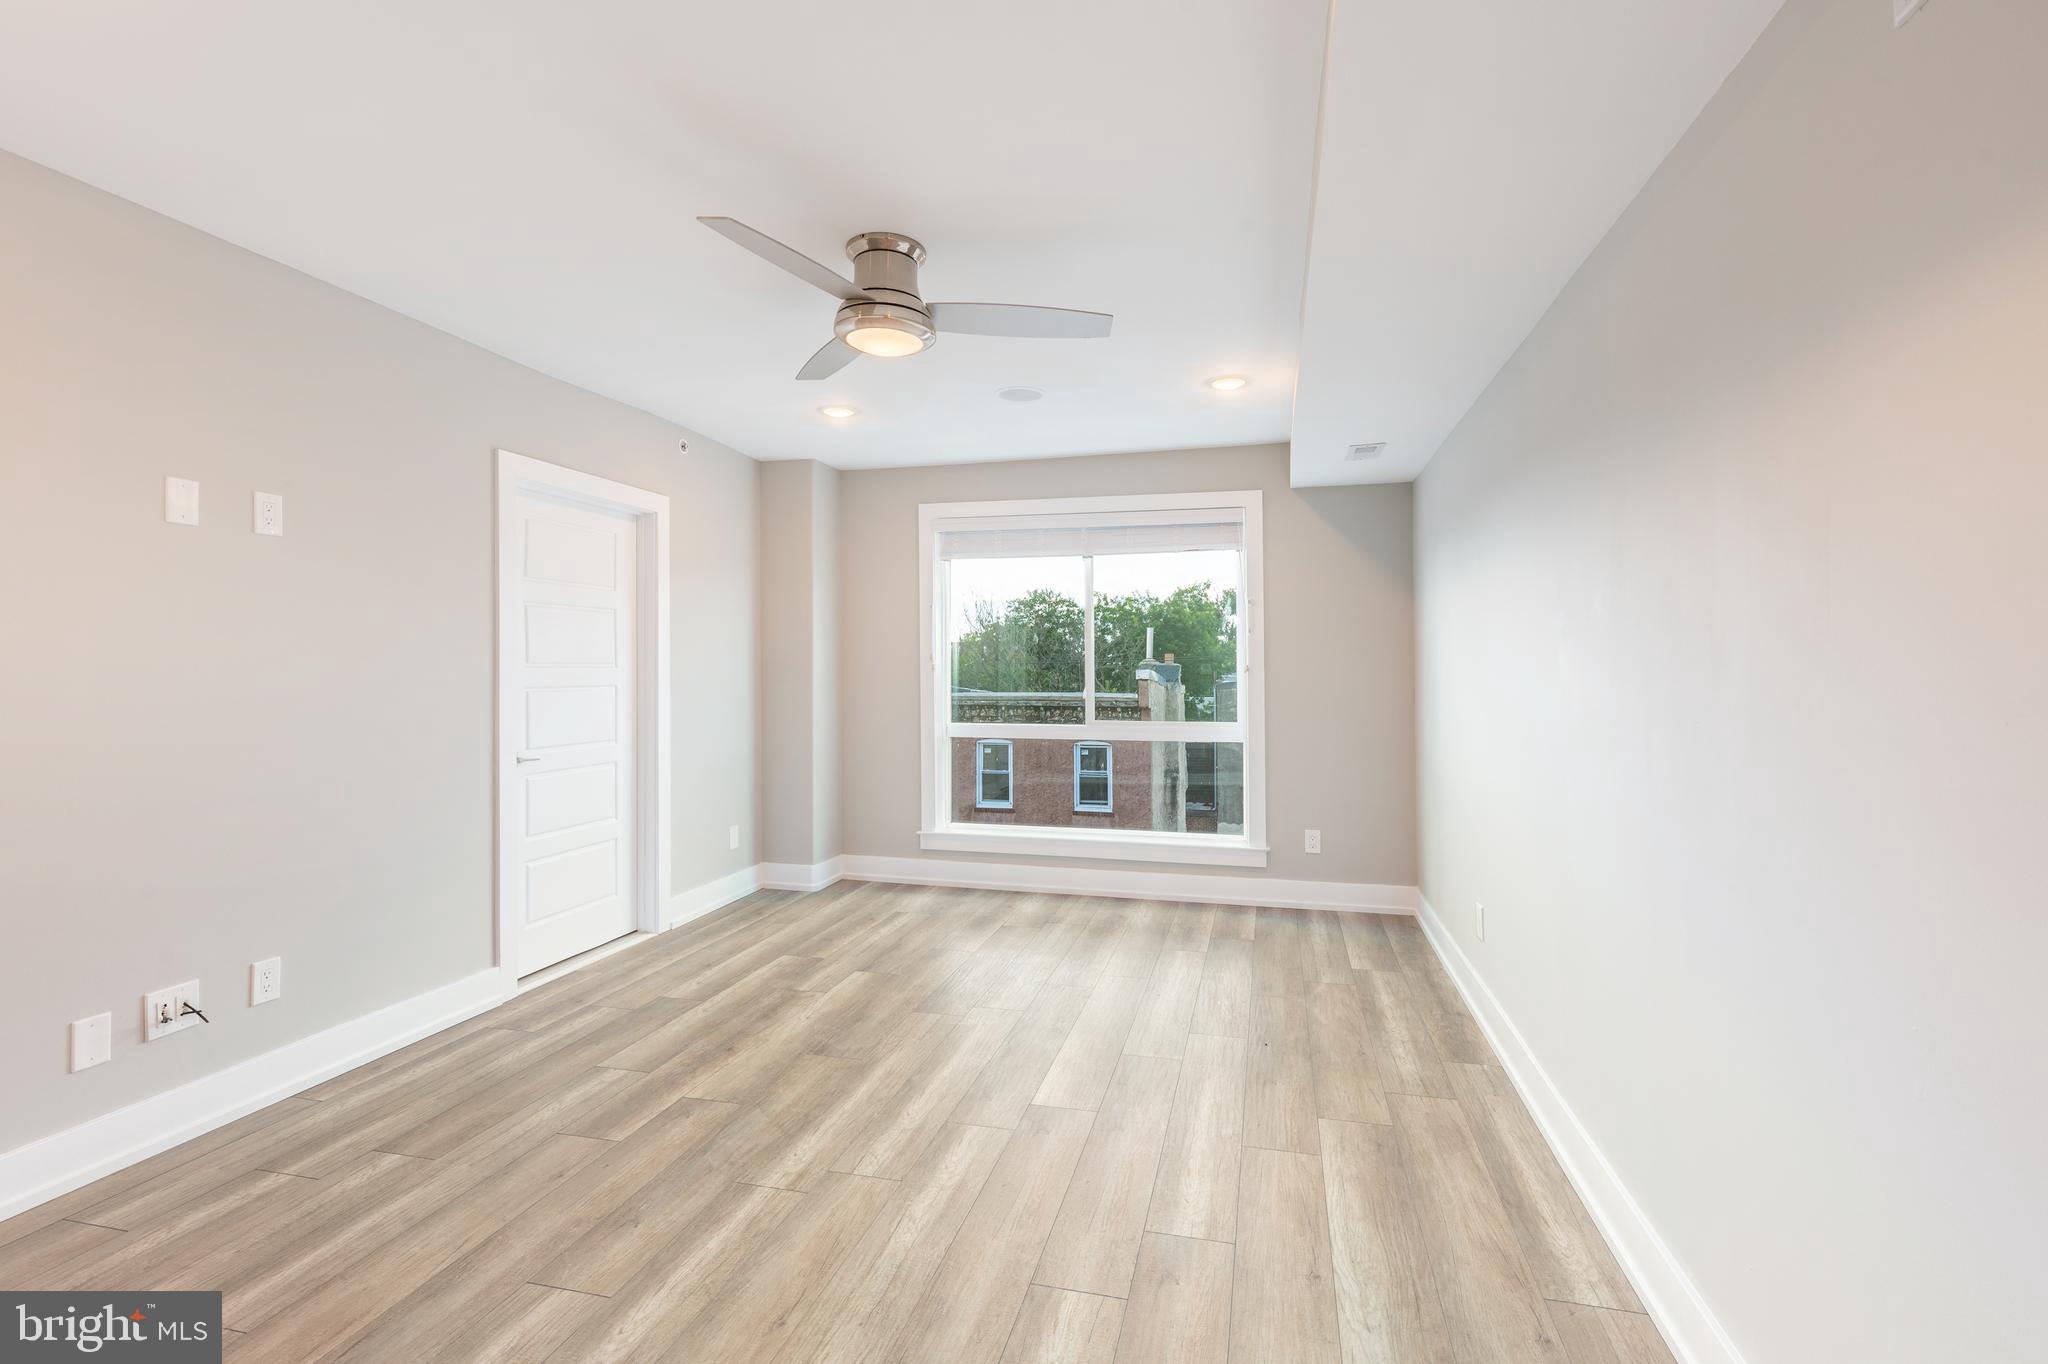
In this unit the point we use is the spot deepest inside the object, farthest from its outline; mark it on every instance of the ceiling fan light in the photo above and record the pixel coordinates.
(884, 340)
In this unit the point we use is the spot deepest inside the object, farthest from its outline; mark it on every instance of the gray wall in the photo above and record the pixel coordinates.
(799, 640)
(1340, 718)
(1733, 651)
(220, 746)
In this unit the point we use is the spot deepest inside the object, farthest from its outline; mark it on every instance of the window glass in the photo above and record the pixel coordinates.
(1092, 767)
(1166, 635)
(1014, 640)
(994, 778)
(1135, 784)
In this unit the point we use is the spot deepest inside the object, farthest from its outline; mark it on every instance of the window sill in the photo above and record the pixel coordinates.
(1188, 849)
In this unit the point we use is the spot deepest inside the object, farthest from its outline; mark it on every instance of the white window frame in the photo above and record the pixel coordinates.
(981, 748)
(1108, 806)
(938, 831)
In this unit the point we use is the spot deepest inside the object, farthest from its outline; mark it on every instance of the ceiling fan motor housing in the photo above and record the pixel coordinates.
(885, 269)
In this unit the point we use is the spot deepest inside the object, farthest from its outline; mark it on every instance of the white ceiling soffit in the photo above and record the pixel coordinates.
(1472, 154)
(526, 176)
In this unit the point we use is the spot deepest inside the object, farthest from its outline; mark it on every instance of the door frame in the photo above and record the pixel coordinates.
(522, 474)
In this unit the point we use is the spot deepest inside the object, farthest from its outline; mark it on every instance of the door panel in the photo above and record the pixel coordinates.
(572, 815)
(557, 716)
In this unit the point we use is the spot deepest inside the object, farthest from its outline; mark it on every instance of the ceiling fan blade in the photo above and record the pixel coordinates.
(790, 259)
(1017, 319)
(832, 357)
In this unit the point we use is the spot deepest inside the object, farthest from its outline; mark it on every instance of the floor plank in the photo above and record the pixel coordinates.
(1492, 1310)
(1081, 1072)
(1564, 1251)
(1347, 1075)
(1599, 1335)
(969, 1307)
(1179, 1308)
(1280, 1098)
(1196, 1194)
(1006, 1085)
(1093, 1246)
(1059, 1326)
(864, 1307)
(1283, 1309)
(1387, 1304)
(1161, 1027)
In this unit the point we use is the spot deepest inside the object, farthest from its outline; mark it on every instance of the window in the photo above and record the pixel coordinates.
(1091, 678)
(1093, 765)
(992, 789)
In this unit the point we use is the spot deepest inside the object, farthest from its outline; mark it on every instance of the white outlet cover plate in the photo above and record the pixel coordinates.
(1902, 10)
(266, 980)
(173, 998)
(268, 511)
(181, 502)
(92, 1041)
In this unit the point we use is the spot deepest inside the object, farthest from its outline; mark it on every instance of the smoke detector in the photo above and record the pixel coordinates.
(1369, 451)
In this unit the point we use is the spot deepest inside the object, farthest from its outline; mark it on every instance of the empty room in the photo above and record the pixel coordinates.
(1286, 682)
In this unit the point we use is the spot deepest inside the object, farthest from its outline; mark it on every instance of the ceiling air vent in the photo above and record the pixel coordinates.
(1371, 451)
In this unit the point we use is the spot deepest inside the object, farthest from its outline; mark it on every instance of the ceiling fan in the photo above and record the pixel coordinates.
(880, 311)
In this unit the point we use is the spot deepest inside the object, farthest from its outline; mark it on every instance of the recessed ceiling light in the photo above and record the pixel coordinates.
(1020, 394)
(839, 412)
(1228, 383)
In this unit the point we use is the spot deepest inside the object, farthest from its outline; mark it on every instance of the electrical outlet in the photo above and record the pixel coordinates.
(732, 838)
(164, 1012)
(1312, 840)
(269, 514)
(92, 1041)
(1480, 910)
(1902, 10)
(266, 980)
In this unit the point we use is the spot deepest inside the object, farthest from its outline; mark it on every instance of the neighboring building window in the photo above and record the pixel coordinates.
(1106, 645)
(1093, 766)
(1202, 778)
(992, 775)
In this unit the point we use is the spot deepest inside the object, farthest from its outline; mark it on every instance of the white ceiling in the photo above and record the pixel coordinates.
(1473, 153)
(524, 174)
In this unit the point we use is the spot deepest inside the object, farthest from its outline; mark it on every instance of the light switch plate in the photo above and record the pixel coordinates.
(92, 1041)
(181, 502)
(269, 514)
(1902, 10)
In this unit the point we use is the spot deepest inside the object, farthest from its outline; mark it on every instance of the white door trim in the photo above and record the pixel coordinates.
(517, 474)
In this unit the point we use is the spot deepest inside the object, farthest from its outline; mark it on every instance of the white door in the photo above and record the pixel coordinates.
(570, 818)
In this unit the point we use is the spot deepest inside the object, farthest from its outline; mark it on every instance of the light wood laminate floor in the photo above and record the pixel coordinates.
(899, 1123)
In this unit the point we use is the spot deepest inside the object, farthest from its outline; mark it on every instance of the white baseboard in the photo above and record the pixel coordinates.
(798, 876)
(1674, 1301)
(66, 1160)
(1198, 887)
(698, 901)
